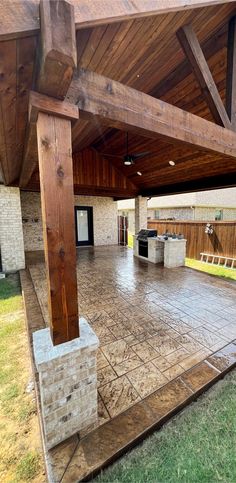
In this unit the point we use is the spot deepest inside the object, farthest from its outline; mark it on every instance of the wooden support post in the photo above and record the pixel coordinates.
(196, 58)
(231, 74)
(57, 198)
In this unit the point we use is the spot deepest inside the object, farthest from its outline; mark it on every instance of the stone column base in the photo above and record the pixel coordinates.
(67, 383)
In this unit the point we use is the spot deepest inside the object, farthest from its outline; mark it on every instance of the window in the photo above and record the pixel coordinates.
(156, 214)
(218, 215)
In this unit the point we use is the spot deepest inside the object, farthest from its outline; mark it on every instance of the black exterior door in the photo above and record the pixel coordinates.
(84, 225)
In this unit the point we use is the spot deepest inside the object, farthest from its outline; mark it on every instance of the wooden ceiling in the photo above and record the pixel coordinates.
(146, 55)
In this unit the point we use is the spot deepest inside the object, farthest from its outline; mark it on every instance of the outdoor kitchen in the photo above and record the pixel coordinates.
(168, 249)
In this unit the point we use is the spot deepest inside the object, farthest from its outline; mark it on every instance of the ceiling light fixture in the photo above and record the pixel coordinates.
(138, 172)
(171, 163)
(128, 160)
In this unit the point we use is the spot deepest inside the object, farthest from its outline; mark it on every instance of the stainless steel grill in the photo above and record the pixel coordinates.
(142, 238)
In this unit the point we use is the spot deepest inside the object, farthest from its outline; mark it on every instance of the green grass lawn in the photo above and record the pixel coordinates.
(197, 446)
(211, 269)
(20, 448)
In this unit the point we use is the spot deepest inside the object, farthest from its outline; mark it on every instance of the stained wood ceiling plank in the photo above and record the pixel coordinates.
(200, 184)
(8, 95)
(195, 56)
(231, 73)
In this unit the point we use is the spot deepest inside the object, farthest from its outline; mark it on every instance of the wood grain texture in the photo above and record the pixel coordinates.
(127, 109)
(231, 73)
(94, 175)
(89, 13)
(195, 56)
(57, 199)
(135, 53)
(221, 242)
(58, 48)
(41, 103)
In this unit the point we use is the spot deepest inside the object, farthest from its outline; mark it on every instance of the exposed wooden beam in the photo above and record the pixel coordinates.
(196, 58)
(201, 184)
(89, 13)
(40, 103)
(125, 108)
(58, 57)
(57, 199)
(231, 73)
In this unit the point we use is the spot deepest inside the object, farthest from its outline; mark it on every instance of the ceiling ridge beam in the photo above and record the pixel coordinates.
(90, 13)
(125, 108)
(193, 51)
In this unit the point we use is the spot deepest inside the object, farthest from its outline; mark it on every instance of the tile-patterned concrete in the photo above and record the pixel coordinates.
(153, 323)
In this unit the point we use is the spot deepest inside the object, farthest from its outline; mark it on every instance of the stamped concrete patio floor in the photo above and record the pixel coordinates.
(154, 325)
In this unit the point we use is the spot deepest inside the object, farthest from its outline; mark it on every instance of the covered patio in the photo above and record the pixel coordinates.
(165, 335)
(103, 101)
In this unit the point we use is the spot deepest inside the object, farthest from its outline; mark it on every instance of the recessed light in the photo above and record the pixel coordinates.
(171, 163)
(138, 172)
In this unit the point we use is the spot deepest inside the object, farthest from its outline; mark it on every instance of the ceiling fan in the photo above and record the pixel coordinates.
(129, 158)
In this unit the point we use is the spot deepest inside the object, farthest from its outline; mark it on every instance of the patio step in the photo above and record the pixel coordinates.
(105, 444)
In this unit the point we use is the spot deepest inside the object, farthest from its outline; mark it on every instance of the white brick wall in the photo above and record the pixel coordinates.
(11, 233)
(104, 219)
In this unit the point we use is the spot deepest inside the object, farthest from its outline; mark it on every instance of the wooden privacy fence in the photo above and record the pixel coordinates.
(221, 241)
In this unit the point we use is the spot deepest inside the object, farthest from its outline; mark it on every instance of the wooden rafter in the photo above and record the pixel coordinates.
(89, 13)
(196, 58)
(231, 73)
(125, 108)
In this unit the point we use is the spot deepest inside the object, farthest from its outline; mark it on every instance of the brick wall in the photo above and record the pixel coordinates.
(180, 213)
(11, 233)
(104, 219)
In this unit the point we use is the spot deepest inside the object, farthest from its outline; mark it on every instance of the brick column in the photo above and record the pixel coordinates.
(140, 213)
(11, 230)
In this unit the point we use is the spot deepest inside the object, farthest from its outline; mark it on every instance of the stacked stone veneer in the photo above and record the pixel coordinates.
(11, 233)
(67, 383)
(104, 219)
(140, 213)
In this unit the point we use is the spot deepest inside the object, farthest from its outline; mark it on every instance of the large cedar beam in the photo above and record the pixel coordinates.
(57, 199)
(195, 56)
(231, 73)
(58, 57)
(125, 108)
(40, 103)
(56, 64)
(21, 19)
